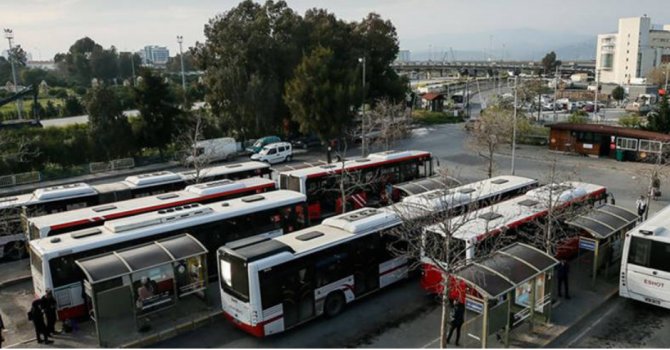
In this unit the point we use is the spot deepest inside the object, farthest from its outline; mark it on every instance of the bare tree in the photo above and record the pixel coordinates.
(656, 172)
(191, 155)
(17, 149)
(492, 130)
(388, 123)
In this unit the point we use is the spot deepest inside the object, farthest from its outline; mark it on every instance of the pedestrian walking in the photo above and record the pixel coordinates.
(457, 317)
(641, 205)
(563, 274)
(36, 314)
(49, 307)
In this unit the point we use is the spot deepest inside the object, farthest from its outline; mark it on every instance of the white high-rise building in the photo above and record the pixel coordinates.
(154, 55)
(404, 56)
(627, 56)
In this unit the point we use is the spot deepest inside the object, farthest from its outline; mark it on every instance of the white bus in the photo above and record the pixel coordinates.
(475, 232)
(645, 261)
(73, 220)
(271, 285)
(57, 199)
(53, 258)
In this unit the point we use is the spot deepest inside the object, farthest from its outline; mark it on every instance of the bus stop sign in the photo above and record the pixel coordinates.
(587, 244)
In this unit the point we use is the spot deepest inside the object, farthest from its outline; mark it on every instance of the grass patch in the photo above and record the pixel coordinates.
(430, 118)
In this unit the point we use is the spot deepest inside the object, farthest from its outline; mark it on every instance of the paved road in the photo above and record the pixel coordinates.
(620, 323)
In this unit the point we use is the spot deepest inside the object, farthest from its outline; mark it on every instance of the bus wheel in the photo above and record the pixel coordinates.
(334, 304)
(16, 250)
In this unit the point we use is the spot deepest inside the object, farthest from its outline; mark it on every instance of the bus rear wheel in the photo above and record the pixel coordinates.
(334, 304)
(16, 250)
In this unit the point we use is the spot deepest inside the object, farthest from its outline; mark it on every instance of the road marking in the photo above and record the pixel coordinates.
(431, 343)
(589, 328)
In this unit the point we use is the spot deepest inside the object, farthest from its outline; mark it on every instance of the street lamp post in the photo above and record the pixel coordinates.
(9, 34)
(556, 80)
(180, 39)
(595, 95)
(363, 136)
(516, 78)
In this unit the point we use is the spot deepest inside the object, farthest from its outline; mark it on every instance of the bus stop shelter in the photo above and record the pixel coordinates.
(502, 289)
(424, 185)
(602, 232)
(133, 290)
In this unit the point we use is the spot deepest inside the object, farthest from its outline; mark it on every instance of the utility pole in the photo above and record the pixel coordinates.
(363, 134)
(556, 80)
(180, 39)
(595, 95)
(9, 34)
(516, 77)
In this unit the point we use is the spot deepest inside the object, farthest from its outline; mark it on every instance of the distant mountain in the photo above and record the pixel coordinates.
(515, 44)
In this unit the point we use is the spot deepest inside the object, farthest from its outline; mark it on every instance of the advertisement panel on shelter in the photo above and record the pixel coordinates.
(523, 293)
(154, 288)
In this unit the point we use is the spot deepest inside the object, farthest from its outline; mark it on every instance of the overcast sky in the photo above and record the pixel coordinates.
(45, 27)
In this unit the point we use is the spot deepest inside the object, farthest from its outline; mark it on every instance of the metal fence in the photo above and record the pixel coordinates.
(20, 179)
(116, 164)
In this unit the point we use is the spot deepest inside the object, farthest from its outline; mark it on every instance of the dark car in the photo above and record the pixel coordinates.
(306, 142)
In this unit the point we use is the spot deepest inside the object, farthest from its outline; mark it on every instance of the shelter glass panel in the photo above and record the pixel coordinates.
(190, 275)
(154, 288)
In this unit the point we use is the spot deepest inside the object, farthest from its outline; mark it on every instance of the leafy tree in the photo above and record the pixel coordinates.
(50, 110)
(660, 122)
(72, 107)
(618, 93)
(34, 76)
(19, 56)
(159, 115)
(127, 63)
(109, 129)
(549, 62)
(578, 117)
(656, 76)
(174, 63)
(630, 121)
(317, 97)
(104, 63)
(75, 64)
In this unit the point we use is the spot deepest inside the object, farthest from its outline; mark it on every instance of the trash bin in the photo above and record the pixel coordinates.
(619, 155)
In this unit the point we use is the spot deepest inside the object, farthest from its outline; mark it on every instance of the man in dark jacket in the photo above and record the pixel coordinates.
(457, 319)
(49, 307)
(562, 274)
(36, 315)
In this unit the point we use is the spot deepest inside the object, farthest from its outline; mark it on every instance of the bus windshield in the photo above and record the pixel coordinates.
(649, 253)
(234, 278)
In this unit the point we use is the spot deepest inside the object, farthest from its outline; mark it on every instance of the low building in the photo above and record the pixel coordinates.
(597, 140)
(433, 101)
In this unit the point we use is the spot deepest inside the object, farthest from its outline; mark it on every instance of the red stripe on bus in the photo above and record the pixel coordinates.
(393, 269)
(162, 206)
(363, 166)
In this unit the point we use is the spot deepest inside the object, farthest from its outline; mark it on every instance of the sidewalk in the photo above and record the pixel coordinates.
(424, 331)
(19, 189)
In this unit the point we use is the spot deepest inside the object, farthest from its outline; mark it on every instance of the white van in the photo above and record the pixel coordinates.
(212, 150)
(274, 153)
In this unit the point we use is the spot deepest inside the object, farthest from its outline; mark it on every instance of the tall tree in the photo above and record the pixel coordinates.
(109, 129)
(174, 63)
(75, 64)
(660, 121)
(159, 114)
(19, 56)
(104, 64)
(618, 93)
(320, 95)
(549, 62)
(128, 63)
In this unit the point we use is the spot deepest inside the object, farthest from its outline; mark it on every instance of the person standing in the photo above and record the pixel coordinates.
(49, 306)
(563, 273)
(36, 314)
(457, 319)
(641, 205)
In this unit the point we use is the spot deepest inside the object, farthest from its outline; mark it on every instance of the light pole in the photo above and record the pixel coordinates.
(516, 78)
(363, 136)
(9, 34)
(180, 39)
(595, 95)
(556, 80)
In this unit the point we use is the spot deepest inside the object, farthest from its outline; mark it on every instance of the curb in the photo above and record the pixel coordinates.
(14, 281)
(579, 319)
(173, 331)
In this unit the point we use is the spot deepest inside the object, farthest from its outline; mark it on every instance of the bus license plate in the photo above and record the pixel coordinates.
(652, 301)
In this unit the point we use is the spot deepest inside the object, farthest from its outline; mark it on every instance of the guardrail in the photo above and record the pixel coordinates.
(116, 164)
(20, 179)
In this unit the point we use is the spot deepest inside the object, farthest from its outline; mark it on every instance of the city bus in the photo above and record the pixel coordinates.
(645, 261)
(477, 232)
(273, 284)
(203, 193)
(61, 198)
(366, 180)
(52, 259)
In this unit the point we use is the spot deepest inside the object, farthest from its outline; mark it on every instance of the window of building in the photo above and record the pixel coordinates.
(624, 143)
(650, 146)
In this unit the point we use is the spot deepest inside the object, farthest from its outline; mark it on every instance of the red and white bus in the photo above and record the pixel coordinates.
(475, 233)
(274, 284)
(645, 261)
(53, 258)
(368, 177)
(73, 220)
(57, 199)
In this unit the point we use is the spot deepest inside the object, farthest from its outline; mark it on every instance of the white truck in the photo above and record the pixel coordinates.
(212, 150)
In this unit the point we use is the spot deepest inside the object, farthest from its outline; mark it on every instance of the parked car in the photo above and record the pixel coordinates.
(589, 108)
(262, 142)
(274, 153)
(306, 142)
(212, 150)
